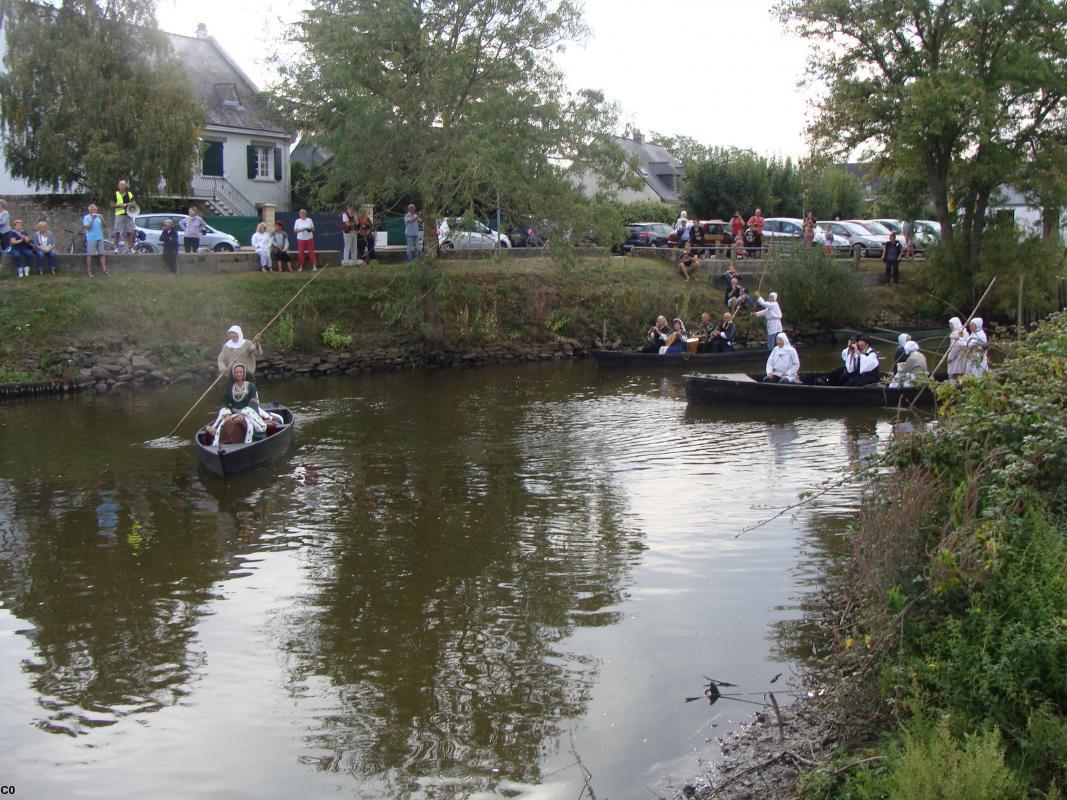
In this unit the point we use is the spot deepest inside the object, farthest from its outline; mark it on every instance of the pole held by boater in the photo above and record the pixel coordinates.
(272, 321)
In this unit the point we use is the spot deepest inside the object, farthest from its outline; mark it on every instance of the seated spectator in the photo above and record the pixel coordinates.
(279, 248)
(44, 249)
(21, 249)
(688, 262)
(736, 296)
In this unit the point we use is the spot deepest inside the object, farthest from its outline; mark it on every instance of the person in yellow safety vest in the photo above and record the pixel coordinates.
(124, 222)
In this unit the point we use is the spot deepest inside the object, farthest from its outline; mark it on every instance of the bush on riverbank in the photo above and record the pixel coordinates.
(816, 293)
(958, 576)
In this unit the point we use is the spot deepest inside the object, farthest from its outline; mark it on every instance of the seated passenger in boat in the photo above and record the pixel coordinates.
(867, 368)
(722, 337)
(783, 364)
(677, 341)
(656, 335)
(241, 398)
(703, 333)
(900, 355)
(913, 370)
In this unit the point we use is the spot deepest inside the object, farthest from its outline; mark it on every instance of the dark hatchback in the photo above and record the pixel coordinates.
(646, 234)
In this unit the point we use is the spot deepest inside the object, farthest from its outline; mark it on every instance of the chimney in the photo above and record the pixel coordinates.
(638, 137)
(201, 31)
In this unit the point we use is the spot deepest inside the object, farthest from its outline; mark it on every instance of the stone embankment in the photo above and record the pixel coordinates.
(90, 370)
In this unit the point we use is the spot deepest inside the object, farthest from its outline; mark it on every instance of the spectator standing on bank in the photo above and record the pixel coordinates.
(908, 229)
(891, 251)
(44, 249)
(194, 227)
(348, 234)
(365, 237)
(124, 223)
(304, 228)
(828, 242)
(93, 225)
(168, 238)
(755, 222)
(5, 224)
(411, 233)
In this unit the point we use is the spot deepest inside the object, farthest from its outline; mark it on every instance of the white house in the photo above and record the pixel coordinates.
(660, 173)
(1010, 202)
(246, 155)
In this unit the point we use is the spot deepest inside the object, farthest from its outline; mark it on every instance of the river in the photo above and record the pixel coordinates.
(450, 578)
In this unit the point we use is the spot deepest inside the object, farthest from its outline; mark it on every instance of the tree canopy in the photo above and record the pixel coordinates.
(447, 103)
(964, 94)
(91, 95)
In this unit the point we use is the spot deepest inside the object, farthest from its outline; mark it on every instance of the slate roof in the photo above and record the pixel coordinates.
(217, 82)
(653, 161)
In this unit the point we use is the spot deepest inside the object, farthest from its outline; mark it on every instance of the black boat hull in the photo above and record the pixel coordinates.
(634, 359)
(234, 458)
(750, 389)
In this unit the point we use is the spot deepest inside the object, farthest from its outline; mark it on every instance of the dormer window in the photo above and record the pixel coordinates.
(227, 93)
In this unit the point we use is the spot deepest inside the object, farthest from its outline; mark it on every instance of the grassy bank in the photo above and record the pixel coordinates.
(182, 320)
(954, 599)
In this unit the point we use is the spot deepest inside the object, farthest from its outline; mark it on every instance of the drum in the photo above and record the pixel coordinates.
(694, 344)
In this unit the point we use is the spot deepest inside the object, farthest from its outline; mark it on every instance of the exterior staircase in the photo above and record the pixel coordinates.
(221, 196)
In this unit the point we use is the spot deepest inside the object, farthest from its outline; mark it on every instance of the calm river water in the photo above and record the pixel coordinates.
(449, 576)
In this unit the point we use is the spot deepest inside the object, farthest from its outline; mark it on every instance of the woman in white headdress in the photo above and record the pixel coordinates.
(901, 354)
(957, 354)
(975, 347)
(773, 312)
(239, 350)
(912, 369)
(783, 364)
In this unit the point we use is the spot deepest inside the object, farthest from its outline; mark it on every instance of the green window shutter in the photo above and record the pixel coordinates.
(251, 152)
(212, 164)
(277, 163)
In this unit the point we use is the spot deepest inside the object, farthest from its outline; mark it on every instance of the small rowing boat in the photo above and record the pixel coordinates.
(750, 388)
(637, 359)
(229, 459)
(842, 335)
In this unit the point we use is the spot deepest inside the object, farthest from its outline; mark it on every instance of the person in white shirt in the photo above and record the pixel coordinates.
(783, 364)
(261, 244)
(304, 229)
(773, 314)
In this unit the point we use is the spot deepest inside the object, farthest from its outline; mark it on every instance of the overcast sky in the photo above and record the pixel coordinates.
(721, 71)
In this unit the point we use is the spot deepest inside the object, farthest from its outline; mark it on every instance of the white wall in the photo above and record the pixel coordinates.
(235, 166)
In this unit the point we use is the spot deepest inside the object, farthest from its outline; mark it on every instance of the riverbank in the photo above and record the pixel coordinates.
(945, 628)
(131, 329)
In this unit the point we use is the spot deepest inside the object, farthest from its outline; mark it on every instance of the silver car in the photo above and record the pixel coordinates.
(779, 228)
(459, 234)
(859, 238)
(214, 240)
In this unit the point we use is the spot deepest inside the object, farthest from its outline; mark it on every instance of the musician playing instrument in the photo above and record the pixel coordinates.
(656, 335)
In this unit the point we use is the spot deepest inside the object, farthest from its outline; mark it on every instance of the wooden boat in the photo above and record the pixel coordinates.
(233, 458)
(750, 389)
(637, 359)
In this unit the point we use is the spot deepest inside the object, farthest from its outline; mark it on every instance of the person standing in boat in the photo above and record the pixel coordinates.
(239, 350)
(773, 314)
(783, 364)
(976, 345)
(657, 335)
(722, 337)
(957, 352)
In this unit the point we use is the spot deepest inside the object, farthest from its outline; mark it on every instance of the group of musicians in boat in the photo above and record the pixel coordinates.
(861, 364)
(240, 401)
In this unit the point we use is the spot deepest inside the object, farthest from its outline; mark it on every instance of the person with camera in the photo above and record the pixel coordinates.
(93, 225)
(860, 367)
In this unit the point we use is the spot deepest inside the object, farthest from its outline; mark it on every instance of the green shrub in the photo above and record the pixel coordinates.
(285, 333)
(815, 291)
(334, 339)
(934, 765)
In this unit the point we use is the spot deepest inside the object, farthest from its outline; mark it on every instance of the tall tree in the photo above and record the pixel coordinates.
(92, 94)
(449, 103)
(961, 92)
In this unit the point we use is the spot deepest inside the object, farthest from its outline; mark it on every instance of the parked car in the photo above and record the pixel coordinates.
(858, 237)
(894, 225)
(646, 234)
(716, 233)
(882, 229)
(785, 228)
(214, 240)
(927, 232)
(526, 236)
(455, 233)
